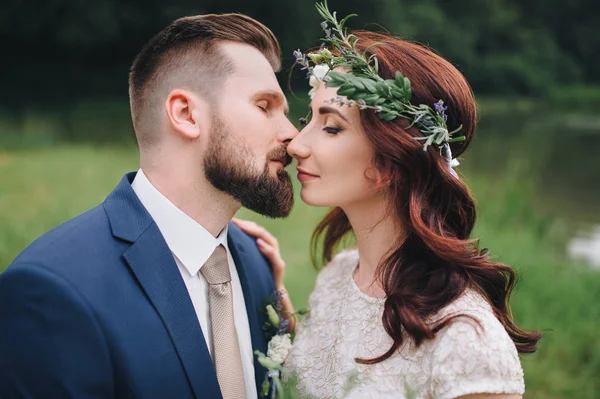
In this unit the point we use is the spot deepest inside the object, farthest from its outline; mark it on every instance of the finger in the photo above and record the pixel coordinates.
(247, 226)
(264, 234)
(266, 249)
(268, 237)
(270, 252)
(260, 232)
(239, 222)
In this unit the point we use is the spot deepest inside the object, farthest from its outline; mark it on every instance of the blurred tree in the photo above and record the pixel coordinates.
(57, 51)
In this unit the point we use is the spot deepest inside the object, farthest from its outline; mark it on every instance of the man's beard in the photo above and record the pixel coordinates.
(229, 167)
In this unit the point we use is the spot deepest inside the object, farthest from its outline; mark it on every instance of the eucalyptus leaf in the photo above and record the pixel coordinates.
(387, 116)
(399, 79)
(371, 99)
(398, 93)
(383, 89)
(359, 95)
(346, 90)
(337, 76)
(406, 84)
(396, 106)
(356, 82)
(370, 85)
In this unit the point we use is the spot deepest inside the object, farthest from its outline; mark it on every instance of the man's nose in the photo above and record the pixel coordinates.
(287, 132)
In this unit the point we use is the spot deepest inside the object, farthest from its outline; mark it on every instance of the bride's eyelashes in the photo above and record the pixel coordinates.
(332, 129)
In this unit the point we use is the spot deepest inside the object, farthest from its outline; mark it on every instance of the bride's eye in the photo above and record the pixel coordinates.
(332, 129)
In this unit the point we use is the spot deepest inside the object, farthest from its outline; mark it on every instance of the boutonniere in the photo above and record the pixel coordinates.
(276, 328)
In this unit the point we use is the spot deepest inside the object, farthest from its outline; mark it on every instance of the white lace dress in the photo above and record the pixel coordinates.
(344, 324)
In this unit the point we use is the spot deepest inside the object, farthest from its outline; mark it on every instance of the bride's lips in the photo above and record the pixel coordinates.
(304, 175)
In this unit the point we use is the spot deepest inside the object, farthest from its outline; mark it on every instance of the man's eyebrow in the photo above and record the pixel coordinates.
(273, 96)
(330, 110)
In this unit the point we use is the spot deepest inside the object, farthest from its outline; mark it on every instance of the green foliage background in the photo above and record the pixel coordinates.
(64, 50)
(533, 165)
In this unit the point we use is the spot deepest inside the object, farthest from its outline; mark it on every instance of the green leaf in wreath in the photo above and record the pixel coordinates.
(346, 90)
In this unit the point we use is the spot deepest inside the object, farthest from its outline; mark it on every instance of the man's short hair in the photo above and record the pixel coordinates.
(186, 54)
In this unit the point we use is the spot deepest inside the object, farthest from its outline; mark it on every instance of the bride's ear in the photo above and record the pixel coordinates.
(186, 113)
(380, 179)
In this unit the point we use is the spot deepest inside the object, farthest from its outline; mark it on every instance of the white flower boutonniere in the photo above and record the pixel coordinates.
(280, 347)
(276, 385)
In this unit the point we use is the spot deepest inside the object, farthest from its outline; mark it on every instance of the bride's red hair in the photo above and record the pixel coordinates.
(436, 261)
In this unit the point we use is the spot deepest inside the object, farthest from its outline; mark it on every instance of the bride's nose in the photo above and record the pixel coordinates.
(298, 147)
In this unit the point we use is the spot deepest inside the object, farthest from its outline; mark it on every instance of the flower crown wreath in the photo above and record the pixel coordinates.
(364, 88)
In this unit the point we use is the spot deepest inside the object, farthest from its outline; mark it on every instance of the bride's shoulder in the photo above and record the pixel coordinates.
(470, 303)
(474, 347)
(474, 322)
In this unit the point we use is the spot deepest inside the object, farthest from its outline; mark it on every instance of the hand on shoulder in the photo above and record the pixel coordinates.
(268, 245)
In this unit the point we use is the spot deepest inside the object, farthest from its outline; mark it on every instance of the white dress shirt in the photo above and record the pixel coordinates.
(191, 246)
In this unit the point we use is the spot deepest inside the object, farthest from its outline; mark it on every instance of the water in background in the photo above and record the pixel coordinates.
(552, 153)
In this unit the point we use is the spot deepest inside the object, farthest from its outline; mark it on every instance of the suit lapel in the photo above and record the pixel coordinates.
(253, 303)
(154, 267)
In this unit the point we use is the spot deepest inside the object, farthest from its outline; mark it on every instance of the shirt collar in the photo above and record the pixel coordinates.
(191, 243)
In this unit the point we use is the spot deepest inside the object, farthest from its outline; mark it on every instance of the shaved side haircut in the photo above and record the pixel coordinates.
(186, 54)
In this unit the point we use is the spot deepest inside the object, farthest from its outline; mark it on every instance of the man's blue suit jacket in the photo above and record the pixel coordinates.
(97, 308)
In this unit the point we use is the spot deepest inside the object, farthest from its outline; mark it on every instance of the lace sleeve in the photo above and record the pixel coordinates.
(471, 358)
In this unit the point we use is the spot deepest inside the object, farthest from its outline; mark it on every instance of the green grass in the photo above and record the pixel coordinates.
(40, 189)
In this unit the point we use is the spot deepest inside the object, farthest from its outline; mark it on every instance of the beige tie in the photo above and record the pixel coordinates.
(226, 347)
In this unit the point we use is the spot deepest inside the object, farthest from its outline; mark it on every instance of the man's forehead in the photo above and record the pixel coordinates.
(253, 73)
(250, 65)
(246, 58)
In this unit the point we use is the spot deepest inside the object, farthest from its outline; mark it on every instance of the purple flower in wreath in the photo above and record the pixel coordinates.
(441, 109)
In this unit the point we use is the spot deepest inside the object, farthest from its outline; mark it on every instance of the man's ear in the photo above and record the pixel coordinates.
(186, 113)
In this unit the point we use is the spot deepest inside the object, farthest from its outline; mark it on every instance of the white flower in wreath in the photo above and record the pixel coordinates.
(279, 348)
(317, 76)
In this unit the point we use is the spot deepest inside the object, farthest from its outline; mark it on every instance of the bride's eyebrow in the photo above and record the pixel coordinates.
(330, 110)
